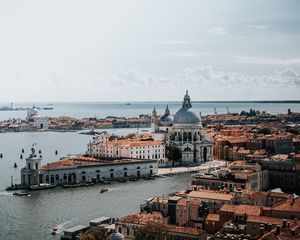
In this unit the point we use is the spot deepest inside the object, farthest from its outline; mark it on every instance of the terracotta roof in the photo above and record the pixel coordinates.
(142, 218)
(211, 195)
(81, 161)
(130, 143)
(213, 217)
(182, 202)
(184, 230)
(264, 219)
(242, 209)
(288, 205)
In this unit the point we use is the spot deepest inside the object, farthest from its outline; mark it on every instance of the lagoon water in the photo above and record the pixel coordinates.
(101, 110)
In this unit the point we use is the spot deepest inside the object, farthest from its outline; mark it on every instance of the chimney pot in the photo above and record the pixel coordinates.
(277, 230)
(284, 223)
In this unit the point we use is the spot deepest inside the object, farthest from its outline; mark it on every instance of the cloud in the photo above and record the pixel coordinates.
(207, 76)
(218, 31)
(185, 54)
(267, 61)
(257, 26)
(172, 42)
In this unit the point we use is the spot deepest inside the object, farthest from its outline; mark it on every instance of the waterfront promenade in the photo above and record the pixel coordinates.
(202, 168)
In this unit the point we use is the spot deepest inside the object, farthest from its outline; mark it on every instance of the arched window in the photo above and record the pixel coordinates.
(111, 170)
(83, 172)
(97, 171)
(189, 136)
(184, 136)
(187, 149)
(125, 169)
(151, 166)
(138, 168)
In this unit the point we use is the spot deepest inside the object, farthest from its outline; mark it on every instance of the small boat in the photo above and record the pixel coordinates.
(15, 165)
(73, 185)
(21, 156)
(21, 194)
(122, 180)
(41, 186)
(103, 190)
(55, 230)
(133, 179)
(105, 181)
(128, 103)
(1, 155)
(56, 152)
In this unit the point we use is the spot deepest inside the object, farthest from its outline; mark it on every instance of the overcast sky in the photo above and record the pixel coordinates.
(149, 50)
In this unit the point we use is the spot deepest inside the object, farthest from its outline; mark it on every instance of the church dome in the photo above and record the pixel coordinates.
(166, 119)
(116, 236)
(186, 114)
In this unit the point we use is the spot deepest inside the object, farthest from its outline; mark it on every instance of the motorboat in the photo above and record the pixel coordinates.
(41, 186)
(21, 194)
(103, 190)
(55, 230)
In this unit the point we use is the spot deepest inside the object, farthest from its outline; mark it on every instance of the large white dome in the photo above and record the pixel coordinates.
(186, 116)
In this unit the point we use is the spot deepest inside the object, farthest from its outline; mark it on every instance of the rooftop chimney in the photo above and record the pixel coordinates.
(284, 223)
(277, 230)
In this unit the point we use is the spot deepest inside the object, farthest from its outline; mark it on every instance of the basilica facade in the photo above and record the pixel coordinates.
(183, 131)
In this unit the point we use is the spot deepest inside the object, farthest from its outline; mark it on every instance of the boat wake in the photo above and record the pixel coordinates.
(5, 193)
(58, 228)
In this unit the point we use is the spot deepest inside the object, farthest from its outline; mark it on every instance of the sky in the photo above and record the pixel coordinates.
(141, 50)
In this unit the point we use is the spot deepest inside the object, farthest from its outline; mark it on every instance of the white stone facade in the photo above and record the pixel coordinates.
(184, 132)
(82, 170)
(128, 148)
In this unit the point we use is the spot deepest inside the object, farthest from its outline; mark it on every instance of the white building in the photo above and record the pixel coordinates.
(37, 120)
(184, 131)
(82, 169)
(136, 148)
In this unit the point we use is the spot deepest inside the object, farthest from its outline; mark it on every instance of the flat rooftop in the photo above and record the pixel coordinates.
(82, 161)
(75, 229)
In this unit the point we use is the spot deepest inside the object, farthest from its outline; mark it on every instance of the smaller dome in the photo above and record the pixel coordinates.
(116, 236)
(166, 121)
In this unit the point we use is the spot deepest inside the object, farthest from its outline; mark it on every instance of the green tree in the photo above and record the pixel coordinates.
(151, 231)
(173, 153)
(96, 233)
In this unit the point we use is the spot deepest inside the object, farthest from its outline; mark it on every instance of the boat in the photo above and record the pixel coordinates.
(55, 230)
(122, 180)
(41, 186)
(104, 181)
(73, 185)
(21, 194)
(47, 108)
(15, 165)
(128, 103)
(103, 190)
(133, 179)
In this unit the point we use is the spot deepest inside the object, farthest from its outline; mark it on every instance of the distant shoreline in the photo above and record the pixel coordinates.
(150, 102)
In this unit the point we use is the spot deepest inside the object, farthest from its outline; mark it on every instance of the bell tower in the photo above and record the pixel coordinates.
(154, 124)
(30, 174)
